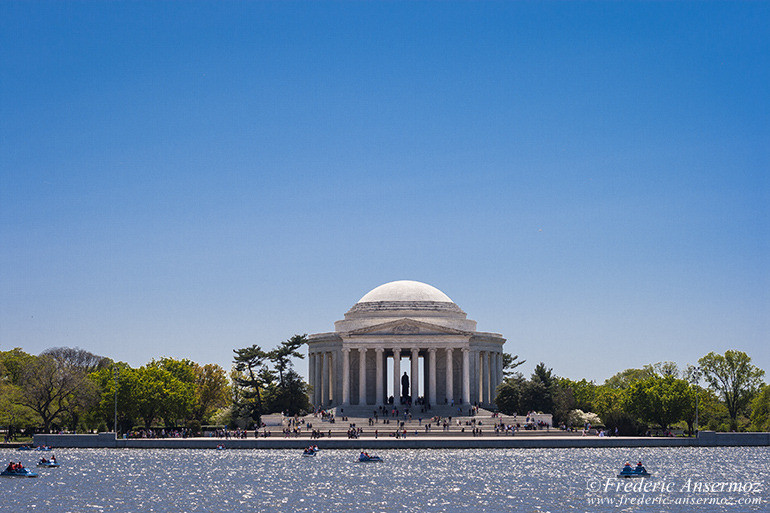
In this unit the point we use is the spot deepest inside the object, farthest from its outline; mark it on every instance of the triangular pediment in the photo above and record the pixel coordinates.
(407, 326)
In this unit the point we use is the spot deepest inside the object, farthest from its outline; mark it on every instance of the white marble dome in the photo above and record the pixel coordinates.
(405, 290)
(405, 299)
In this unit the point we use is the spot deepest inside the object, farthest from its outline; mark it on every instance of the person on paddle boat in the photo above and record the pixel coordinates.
(627, 468)
(640, 468)
(43, 460)
(364, 454)
(53, 459)
(15, 467)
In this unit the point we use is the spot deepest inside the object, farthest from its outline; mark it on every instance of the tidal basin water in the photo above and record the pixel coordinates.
(538, 480)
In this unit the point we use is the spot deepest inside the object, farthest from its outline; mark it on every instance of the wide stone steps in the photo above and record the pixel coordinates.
(365, 412)
(415, 424)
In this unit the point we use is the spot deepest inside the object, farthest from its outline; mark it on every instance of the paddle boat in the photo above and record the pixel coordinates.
(17, 471)
(310, 451)
(638, 471)
(24, 448)
(364, 456)
(52, 463)
(43, 448)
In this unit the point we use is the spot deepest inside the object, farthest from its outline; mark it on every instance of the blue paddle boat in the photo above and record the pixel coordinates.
(18, 472)
(365, 457)
(311, 450)
(638, 471)
(43, 448)
(24, 448)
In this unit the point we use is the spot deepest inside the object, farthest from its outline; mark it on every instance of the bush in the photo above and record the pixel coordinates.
(578, 418)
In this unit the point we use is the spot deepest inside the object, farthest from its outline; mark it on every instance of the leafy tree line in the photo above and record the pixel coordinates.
(657, 396)
(69, 388)
(73, 389)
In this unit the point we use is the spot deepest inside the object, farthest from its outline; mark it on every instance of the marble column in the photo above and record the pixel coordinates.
(325, 379)
(330, 378)
(432, 376)
(346, 376)
(317, 387)
(487, 376)
(361, 375)
(378, 385)
(466, 376)
(415, 376)
(396, 376)
(311, 375)
(480, 376)
(449, 377)
(493, 379)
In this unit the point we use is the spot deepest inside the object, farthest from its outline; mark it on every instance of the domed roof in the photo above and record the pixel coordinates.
(405, 290)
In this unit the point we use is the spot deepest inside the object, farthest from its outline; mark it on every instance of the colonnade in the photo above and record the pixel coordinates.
(481, 372)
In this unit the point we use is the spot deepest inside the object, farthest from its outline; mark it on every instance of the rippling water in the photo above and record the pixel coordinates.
(180, 480)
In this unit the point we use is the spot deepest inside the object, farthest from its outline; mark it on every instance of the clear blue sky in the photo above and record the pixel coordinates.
(588, 179)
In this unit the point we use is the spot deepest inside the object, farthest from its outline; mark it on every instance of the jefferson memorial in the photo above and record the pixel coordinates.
(405, 320)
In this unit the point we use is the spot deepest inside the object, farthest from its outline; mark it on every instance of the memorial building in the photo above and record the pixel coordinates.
(388, 331)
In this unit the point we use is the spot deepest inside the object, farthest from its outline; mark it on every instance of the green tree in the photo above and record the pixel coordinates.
(538, 393)
(508, 394)
(666, 369)
(56, 383)
(250, 379)
(78, 363)
(14, 362)
(149, 390)
(734, 377)
(159, 394)
(178, 389)
(563, 399)
(583, 392)
(510, 362)
(663, 400)
(760, 410)
(115, 375)
(183, 370)
(609, 400)
(535, 396)
(12, 414)
(626, 378)
(212, 390)
(282, 355)
(291, 398)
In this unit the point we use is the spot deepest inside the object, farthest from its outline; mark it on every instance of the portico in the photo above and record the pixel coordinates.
(405, 320)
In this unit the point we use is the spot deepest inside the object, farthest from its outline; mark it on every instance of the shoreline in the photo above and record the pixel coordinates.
(108, 440)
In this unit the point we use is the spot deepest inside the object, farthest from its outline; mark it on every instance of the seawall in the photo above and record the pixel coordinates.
(108, 440)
